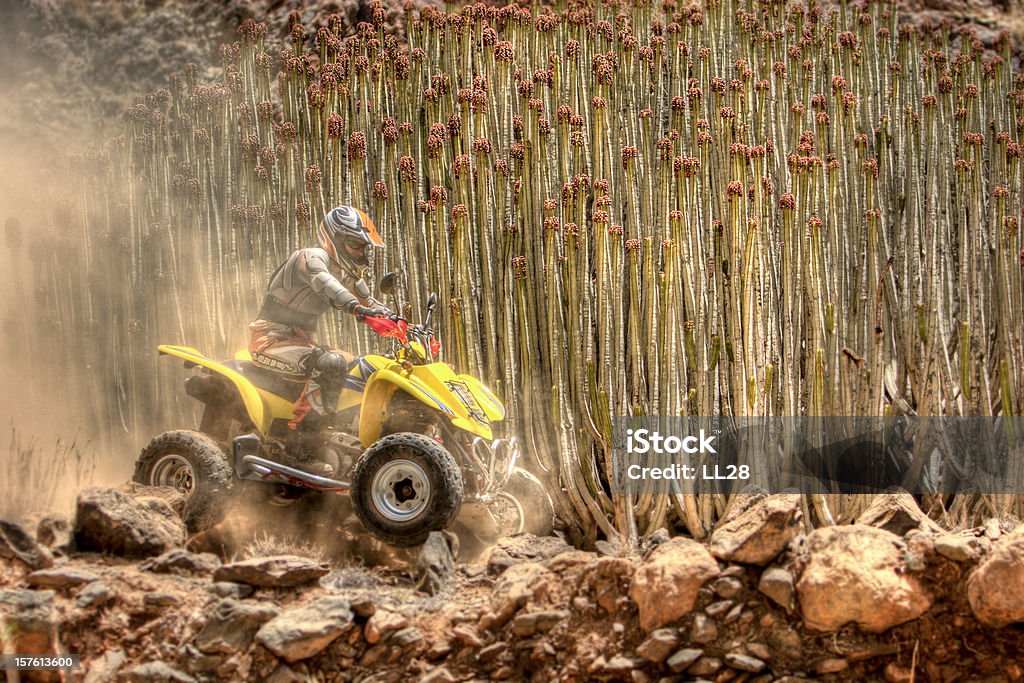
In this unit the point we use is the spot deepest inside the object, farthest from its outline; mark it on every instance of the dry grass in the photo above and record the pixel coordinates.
(40, 479)
(266, 544)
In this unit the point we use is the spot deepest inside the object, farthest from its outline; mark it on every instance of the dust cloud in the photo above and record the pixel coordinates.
(67, 72)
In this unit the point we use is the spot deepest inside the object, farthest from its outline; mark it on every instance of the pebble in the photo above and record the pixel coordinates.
(832, 665)
(683, 659)
(733, 614)
(745, 662)
(716, 609)
(95, 594)
(659, 644)
(703, 630)
(705, 666)
(759, 650)
(727, 587)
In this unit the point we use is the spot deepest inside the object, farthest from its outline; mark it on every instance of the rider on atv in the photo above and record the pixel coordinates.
(309, 283)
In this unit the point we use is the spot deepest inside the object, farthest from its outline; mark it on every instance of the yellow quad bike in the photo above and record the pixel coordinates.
(411, 442)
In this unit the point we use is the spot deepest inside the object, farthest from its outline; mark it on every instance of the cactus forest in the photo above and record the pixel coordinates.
(727, 207)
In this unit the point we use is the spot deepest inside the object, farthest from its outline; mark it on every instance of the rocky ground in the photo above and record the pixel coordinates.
(891, 598)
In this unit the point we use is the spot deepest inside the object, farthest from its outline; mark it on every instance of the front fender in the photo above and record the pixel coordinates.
(382, 385)
(250, 395)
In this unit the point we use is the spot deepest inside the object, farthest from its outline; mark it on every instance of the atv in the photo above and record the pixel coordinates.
(410, 443)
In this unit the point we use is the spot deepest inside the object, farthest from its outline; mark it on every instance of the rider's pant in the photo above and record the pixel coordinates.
(287, 349)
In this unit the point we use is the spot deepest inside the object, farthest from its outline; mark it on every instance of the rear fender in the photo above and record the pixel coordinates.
(250, 396)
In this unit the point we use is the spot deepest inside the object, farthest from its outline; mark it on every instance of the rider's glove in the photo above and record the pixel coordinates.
(386, 327)
(375, 312)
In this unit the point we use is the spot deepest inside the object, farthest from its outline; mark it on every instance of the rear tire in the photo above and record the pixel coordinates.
(193, 464)
(523, 496)
(405, 486)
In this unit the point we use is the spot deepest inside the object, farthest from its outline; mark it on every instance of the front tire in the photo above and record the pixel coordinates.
(405, 486)
(193, 464)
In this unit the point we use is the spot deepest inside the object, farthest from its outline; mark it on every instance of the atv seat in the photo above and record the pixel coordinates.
(286, 387)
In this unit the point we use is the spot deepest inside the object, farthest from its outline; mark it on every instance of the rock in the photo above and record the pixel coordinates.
(525, 625)
(382, 623)
(786, 641)
(18, 544)
(683, 659)
(995, 588)
(665, 585)
(616, 665)
(301, 633)
(54, 533)
(108, 520)
(608, 578)
(659, 645)
(28, 622)
(227, 589)
(157, 672)
(524, 548)
(438, 675)
(279, 571)
(743, 662)
(857, 574)
(95, 594)
(232, 626)
(468, 635)
(897, 513)
(406, 637)
(103, 669)
(717, 609)
(758, 534)
(894, 673)
(61, 577)
(958, 548)
(777, 584)
(733, 615)
(704, 630)
(832, 665)
(363, 606)
(705, 666)
(992, 530)
(436, 563)
(513, 590)
(491, 652)
(158, 601)
(759, 650)
(727, 587)
(180, 561)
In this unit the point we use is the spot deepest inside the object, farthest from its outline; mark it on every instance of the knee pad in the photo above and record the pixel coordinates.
(331, 364)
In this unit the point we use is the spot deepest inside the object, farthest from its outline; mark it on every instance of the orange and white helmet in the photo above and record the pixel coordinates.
(347, 234)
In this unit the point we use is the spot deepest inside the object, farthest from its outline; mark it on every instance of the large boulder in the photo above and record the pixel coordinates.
(17, 544)
(665, 585)
(995, 589)
(858, 574)
(278, 571)
(760, 532)
(301, 633)
(232, 625)
(109, 520)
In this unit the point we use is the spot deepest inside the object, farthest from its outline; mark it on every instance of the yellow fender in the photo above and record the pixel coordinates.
(252, 398)
(378, 392)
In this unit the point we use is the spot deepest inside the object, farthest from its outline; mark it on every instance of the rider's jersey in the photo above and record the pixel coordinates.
(307, 285)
